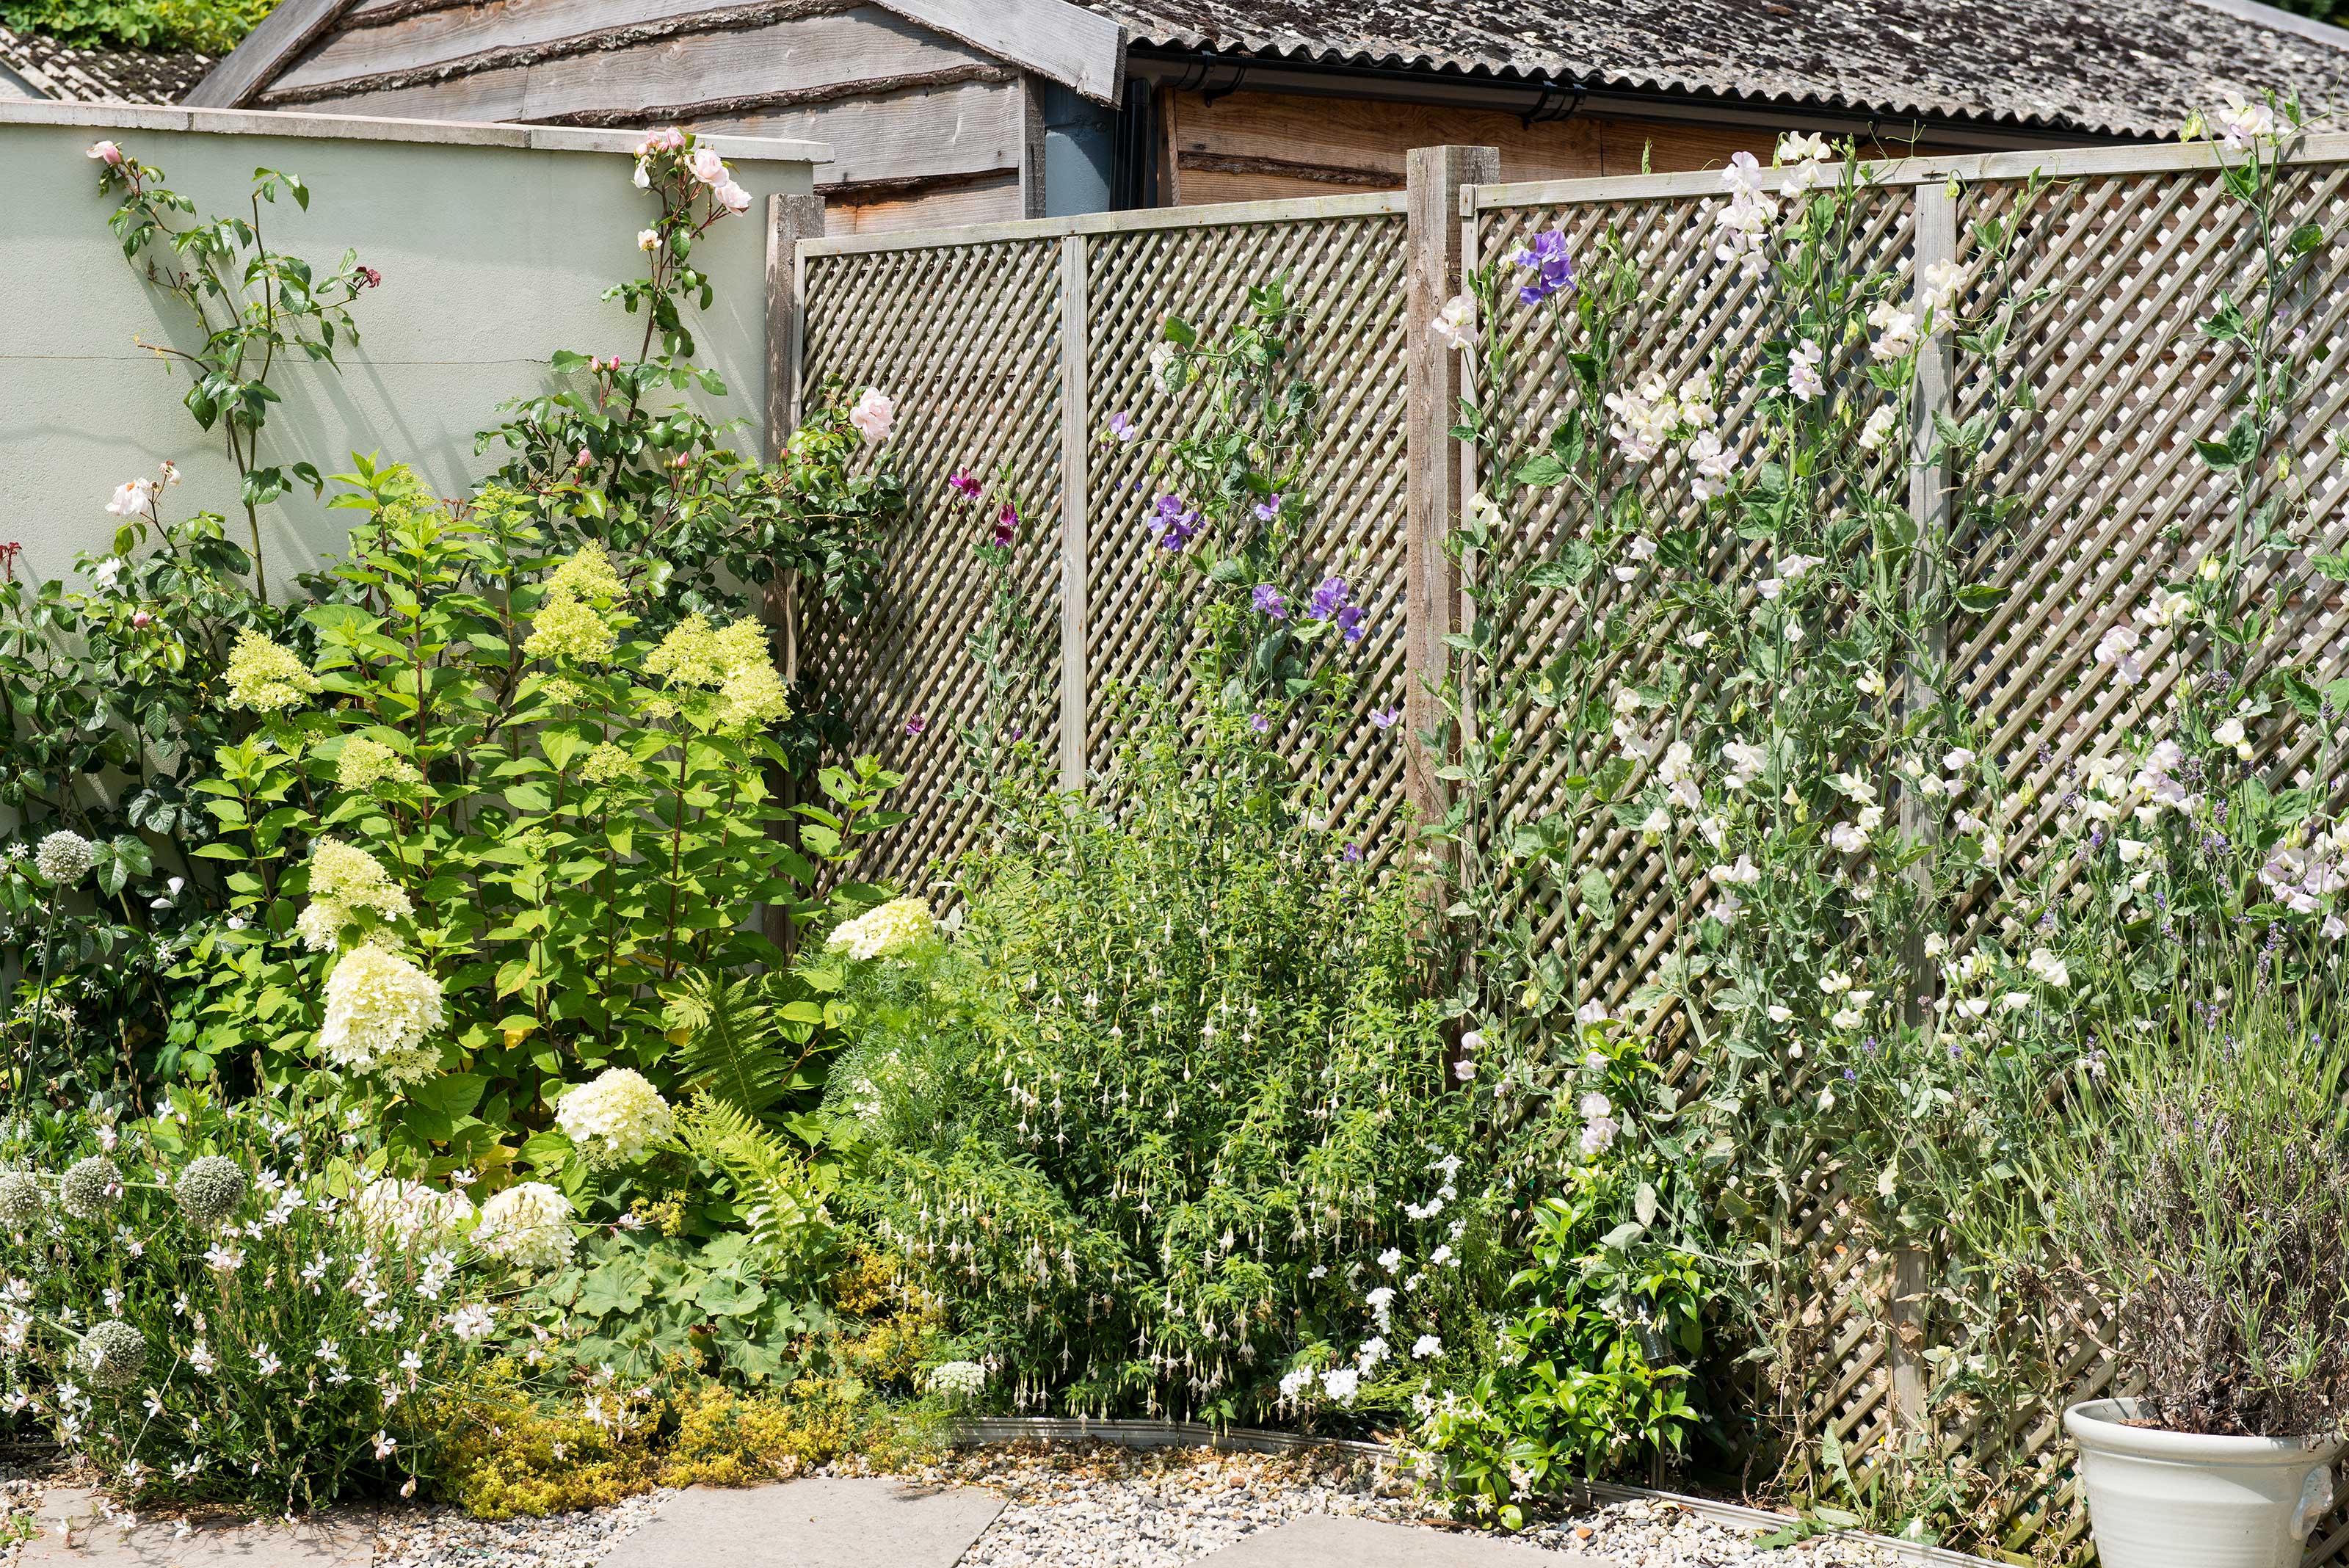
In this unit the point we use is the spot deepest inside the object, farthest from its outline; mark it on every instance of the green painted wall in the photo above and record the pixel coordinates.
(494, 251)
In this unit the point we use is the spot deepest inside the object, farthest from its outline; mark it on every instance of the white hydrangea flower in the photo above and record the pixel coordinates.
(529, 1226)
(413, 1211)
(615, 1119)
(379, 1009)
(885, 930)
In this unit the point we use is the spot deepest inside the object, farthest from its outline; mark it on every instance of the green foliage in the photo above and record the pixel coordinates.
(647, 1305)
(207, 27)
(577, 821)
(1146, 1124)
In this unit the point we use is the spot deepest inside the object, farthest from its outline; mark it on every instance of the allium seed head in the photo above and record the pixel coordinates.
(211, 1189)
(91, 1188)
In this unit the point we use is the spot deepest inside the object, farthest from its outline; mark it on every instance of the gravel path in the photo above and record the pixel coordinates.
(1095, 1505)
(1072, 1506)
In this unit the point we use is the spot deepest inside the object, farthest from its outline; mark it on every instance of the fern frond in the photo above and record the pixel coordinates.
(732, 1047)
(780, 1207)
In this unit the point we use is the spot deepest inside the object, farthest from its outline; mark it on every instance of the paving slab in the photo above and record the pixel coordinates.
(72, 1534)
(861, 1523)
(1329, 1540)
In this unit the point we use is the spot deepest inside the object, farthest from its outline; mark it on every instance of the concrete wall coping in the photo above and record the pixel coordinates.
(372, 128)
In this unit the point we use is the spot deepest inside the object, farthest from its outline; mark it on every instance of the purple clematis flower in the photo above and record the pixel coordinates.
(1546, 258)
(1267, 600)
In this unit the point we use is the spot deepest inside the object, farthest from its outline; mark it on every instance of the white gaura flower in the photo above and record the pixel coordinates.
(615, 1119)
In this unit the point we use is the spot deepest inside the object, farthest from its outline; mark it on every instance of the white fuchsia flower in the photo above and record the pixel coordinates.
(528, 1226)
(615, 1119)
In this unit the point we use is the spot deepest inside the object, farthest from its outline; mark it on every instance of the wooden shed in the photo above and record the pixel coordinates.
(946, 112)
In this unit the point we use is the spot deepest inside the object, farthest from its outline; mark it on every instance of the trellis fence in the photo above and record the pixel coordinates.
(1009, 347)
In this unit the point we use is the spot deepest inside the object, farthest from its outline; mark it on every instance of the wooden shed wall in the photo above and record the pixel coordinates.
(924, 130)
(1254, 146)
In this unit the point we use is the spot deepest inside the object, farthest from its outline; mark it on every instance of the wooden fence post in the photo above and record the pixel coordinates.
(790, 220)
(1076, 456)
(1435, 237)
(1936, 240)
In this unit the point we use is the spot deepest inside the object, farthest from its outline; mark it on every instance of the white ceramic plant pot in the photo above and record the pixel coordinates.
(2178, 1499)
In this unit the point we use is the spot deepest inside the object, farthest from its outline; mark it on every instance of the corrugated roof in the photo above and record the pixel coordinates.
(2110, 67)
(100, 76)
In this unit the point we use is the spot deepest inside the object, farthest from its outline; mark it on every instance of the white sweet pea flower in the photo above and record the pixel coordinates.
(1455, 326)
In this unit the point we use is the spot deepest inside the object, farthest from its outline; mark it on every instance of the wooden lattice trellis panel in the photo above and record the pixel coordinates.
(2131, 247)
(1346, 275)
(967, 340)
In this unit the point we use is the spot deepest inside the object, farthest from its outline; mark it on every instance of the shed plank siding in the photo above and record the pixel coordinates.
(924, 134)
(990, 198)
(711, 50)
(1250, 147)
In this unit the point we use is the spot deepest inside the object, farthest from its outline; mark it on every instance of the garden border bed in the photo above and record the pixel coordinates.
(1258, 1441)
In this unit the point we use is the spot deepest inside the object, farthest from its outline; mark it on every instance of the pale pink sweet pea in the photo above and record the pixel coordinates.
(874, 415)
(106, 152)
(706, 165)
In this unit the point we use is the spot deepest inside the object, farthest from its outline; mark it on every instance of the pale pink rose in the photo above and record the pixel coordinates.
(108, 153)
(706, 165)
(874, 415)
(130, 499)
(731, 197)
(647, 239)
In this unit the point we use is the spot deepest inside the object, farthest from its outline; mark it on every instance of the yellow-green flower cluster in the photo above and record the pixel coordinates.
(607, 764)
(732, 661)
(574, 623)
(346, 884)
(885, 930)
(365, 764)
(265, 678)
